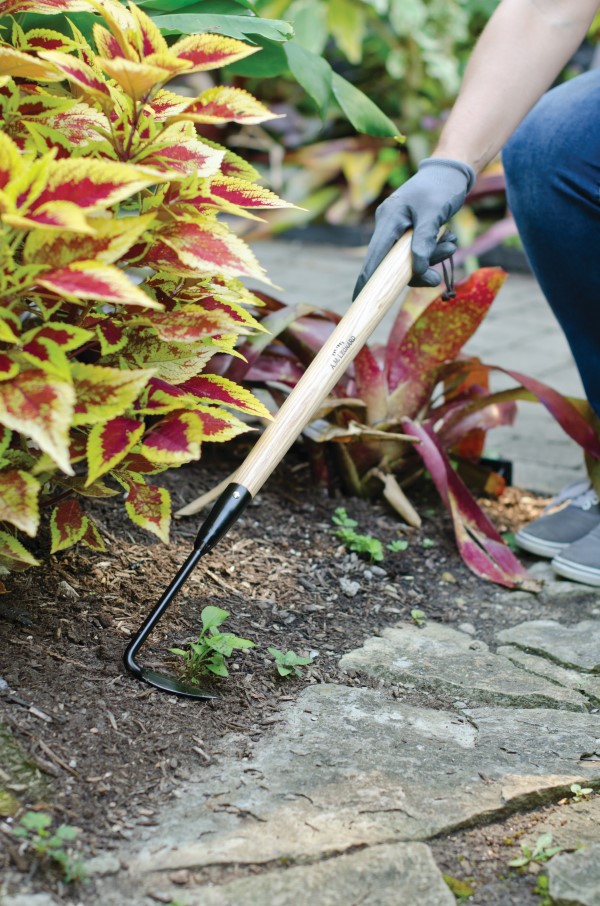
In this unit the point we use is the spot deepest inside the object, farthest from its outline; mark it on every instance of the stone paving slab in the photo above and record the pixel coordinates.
(586, 683)
(435, 658)
(352, 767)
(571, 646)
(575, 878)
(378, 876)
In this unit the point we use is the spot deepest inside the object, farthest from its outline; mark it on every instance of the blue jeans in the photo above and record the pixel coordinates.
(552, 165)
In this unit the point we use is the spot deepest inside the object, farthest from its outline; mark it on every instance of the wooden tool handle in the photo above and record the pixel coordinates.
(363, 316)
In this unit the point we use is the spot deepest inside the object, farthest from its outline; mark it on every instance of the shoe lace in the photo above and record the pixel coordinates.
(578, 493)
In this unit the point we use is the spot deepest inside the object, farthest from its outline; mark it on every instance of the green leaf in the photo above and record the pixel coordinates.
(312, 72)
(396, 546)
(213, 616)
(206, 6)
(35, 821)
(217, 665)
(241, 27)
(347, 21)
(270, 62)
(364, 115)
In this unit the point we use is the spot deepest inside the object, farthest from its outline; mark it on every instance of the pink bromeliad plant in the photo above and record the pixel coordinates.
(422, 386)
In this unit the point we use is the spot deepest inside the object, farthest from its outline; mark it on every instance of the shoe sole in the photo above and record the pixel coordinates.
(578, 573)
(539, 546)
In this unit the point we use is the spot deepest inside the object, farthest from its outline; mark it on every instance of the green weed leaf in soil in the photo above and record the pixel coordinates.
(288, 662)
(418, 617)
(51, 847)
(462, 890)
(207, 654)
(580, 793)
(542, 851)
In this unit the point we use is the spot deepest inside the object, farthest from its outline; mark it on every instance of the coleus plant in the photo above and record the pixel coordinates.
(418, 402)
(117, 281)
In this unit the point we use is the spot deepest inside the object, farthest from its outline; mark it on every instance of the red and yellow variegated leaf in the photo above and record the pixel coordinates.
(165, 105)
(198, 249)
(175, 439)
(8, 367)
(188, 325)
(109, 443)
(68, 525)
(10, 160)
(236, 167)
(93, 280)
(13, 556)
(211, 388)
(220, 425)
(147, 506)
(180, 150)
(227, 105)
(110, 241)
(80, 125)
(173, 362)
(57, 215)
(46, 346)
(78, 447)
(47, 7)
(436, 337)
(46, 39)
(40, 407)
(19, 493)
(27, 66)
(79, 73)
(5, 439)
(160, 397)
(138, 464)
(7, 334)
(138, 79)
(104, 393)
(92, 537)
(93, 185)
(106, 44)
(211, 51)
(148, 37)
(245, 194)
(111, 335)
(238, 315)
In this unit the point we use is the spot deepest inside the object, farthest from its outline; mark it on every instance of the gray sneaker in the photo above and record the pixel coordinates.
(581, 560)
(549, 535)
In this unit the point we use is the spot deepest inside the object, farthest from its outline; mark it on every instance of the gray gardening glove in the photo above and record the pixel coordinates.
(424, 203)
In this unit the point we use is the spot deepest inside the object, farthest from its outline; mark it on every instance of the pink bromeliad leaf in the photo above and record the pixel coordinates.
(371, 385)
(436, 337)
(480, 545)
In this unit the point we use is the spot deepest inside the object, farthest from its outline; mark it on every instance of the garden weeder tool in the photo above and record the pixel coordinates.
(374, 300)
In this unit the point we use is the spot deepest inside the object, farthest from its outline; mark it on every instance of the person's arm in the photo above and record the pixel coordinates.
(524, 46)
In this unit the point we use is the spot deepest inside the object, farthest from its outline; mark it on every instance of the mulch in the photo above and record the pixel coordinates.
(113, 750)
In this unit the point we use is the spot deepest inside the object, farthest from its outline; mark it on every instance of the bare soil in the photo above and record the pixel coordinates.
(113, 750)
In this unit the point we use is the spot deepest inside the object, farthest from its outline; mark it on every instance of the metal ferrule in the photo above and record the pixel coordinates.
(227, 509)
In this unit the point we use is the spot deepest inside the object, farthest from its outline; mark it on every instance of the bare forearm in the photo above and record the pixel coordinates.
(523, 48)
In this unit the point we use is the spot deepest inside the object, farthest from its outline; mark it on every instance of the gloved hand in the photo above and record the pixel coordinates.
(424, 203)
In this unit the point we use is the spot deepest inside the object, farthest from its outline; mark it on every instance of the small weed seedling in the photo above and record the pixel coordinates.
(541, 852)
(580, 793)
(396, 546)
(288, 662)
(542, 888)
(49, 845)
(418, 617)
(362, 544)
(208, 653)
(462, 890)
